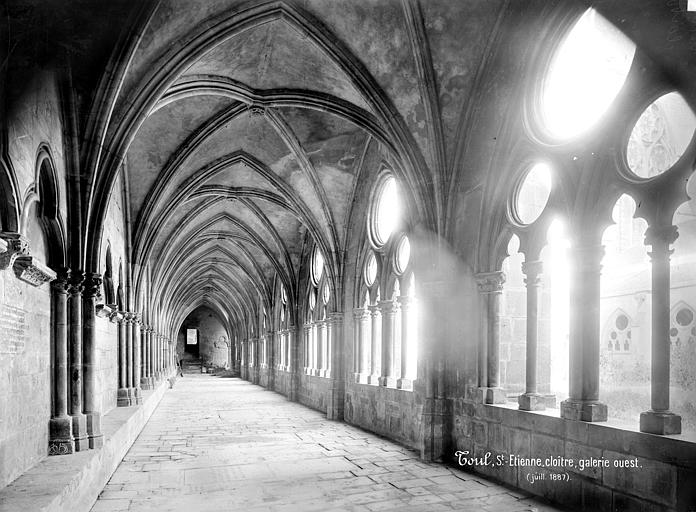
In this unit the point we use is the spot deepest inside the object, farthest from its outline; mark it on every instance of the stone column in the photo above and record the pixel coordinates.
(306, 336)
(136, 360)
(144, 383)
(122, 398)
(531, 400)
(336, 397)
(128, 322)
(60, 437)
(404, 381)
(328, 346)
(79, 426)
(388, 314)
(357, 349)
(90, 359)
(272, 356)
(490, 285)
(293, 347)
(583, 402)
(436, 407)
(659, 419)
(320, 341)
(150, 358)
(375, 344)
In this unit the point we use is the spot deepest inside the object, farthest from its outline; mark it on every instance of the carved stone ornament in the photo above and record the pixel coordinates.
(104, 311)
(490, 282)
(15, 245)
(257, 111)
(32, 271)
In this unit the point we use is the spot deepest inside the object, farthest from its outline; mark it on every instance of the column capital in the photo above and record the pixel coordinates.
(588, 258)
(387, 307)
(336, 317)
(490, 282)
(661, 235)
(532, 271)
(374, 309)
(14, 245)
(76, 282)
(92, 284)
(404, 300)
(60, 283)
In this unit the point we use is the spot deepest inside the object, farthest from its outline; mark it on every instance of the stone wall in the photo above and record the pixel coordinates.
(25, 382)
(663, 479)
(32, 120)
(211, 333)
(390, 412)
(314, 392)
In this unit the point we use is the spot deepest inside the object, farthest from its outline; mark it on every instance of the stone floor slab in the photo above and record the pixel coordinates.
(225, 444)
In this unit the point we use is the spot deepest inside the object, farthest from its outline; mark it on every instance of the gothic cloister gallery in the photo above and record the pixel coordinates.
(455, 236)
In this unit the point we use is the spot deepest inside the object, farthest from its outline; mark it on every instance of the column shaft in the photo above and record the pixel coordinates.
(375, 344)
(659, 419)
(531, 400)
(79, 425)
(90, 361)
(583, 403)
(60, 440)
(388, 314)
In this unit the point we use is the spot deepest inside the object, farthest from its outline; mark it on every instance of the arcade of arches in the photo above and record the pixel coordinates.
(464, 226)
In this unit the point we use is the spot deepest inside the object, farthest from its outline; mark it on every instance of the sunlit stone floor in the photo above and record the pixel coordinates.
(217, 444)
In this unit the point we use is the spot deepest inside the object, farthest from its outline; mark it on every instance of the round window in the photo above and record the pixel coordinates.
(317, 266)
(586, 73)
(326, 294)
(533, 194)
(684, 317)
(403, 255)
(312, 299)
(621, 322)
(386, 211)
(371, 269)
(660, 136)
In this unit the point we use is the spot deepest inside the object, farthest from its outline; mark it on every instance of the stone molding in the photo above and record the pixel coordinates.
(490, 282)
(31, 271)
(15, 245)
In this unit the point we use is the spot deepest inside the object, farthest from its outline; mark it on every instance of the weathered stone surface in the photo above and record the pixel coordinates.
(214, 441)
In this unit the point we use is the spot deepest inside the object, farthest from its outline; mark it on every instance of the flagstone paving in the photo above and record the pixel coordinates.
(217, 444)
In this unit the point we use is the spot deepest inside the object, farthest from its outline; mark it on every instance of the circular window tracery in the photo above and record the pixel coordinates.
(660, 136)
(326, 295)
(402, 255)
(312, 299)
(586, 74)
(533, 194)
(371, 269)
(386, 211)
(317, 266)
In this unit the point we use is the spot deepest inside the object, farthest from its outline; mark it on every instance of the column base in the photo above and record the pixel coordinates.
(94, 433)
(387, 382)
(373, 380)
(122, 398)
(662, 423)
(334, 410)
(583, 410)
(360, 378)
(495, 396)
(145, 383)
(435, 417)
(531, 402)
(137, 394)
(60, 438)
(131, 396)
(405, 384)
(79, 429)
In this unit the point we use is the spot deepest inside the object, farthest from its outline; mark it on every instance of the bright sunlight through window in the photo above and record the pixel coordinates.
(586, 73)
